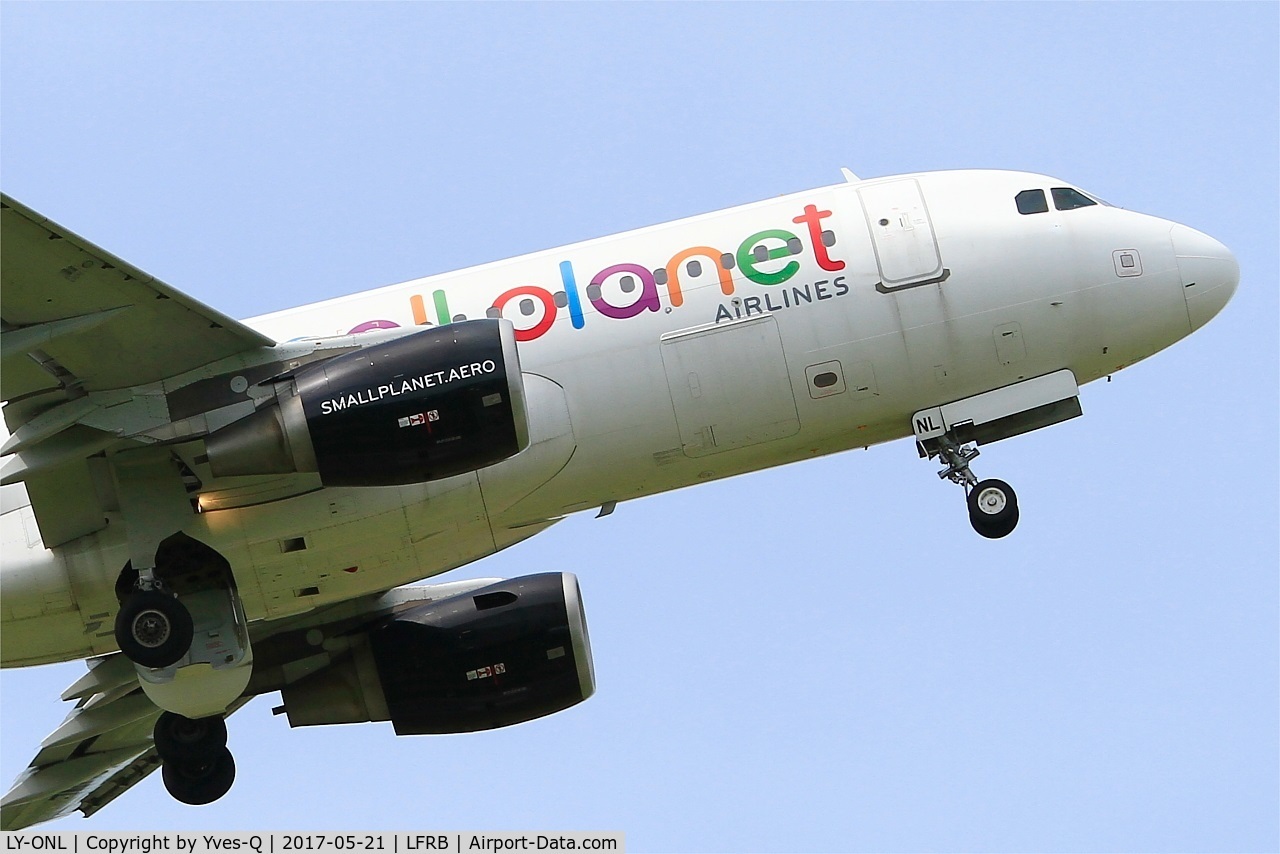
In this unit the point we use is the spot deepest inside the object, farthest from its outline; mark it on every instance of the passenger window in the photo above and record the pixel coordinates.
(1067, 199)
(1031, 202)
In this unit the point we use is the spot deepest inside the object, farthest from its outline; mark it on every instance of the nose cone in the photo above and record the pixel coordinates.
(1209, 273)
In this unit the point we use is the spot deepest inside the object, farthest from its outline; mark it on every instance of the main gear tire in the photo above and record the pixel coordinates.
(200, 782)
(182, 739)
(153, 629)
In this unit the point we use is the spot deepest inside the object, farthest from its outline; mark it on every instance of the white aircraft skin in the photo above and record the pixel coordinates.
(1051, 273)
(606, 348)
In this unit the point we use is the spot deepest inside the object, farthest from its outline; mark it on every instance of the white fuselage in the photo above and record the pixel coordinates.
(680, 353)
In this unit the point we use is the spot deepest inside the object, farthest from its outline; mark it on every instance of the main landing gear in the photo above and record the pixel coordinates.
(184, 628)
(993, 505)
(180, 622)
(197, 766)
(152, 627)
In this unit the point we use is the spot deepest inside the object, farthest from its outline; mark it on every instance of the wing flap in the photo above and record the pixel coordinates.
(121, 780)
(91, 723)
(105, 674)
(75, 322)
(43, 794)
(74, 304)
(65, 502)
(102, 749)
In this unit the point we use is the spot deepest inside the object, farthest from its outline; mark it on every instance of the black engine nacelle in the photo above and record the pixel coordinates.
(496, 656)
(427, 406)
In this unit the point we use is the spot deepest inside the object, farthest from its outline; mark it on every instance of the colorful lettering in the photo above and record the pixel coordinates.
(768, 257)
(747, 257)
(673, 272)
(571, 293)
(419, 310)
(442, 307)
(812, 217)
(373, 324)
(648, 298)
(548, 310)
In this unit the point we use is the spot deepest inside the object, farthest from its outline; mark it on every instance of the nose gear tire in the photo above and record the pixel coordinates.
(993, 508)
(153, 629)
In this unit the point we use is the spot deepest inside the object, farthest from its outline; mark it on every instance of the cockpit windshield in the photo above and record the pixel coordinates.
(1064, 199)
(1031, 202)
(1068, 199)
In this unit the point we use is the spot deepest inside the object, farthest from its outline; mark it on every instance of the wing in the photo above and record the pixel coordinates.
(101, 749)
(105, 746)
(75, 320)
(67, 306)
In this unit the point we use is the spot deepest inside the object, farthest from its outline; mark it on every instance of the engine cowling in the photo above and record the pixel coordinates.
(427, 406)
(496, 656)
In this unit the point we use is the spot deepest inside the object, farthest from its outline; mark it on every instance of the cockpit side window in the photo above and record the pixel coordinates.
(1032, 202)
(1068, 199)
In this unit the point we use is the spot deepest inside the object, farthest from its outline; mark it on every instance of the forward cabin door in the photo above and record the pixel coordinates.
(911, 270)
(902, 234)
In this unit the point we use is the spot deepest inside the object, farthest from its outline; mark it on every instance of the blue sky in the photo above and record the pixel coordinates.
(821, 657)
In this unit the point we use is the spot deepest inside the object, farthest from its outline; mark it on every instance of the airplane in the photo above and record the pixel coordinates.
(209, 510)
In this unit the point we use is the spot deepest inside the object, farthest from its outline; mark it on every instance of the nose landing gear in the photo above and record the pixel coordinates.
(993, 505)
(949, 430)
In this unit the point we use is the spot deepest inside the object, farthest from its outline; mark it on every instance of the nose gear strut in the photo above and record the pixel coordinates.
(953, 430)
(957, 458)
(993, 505)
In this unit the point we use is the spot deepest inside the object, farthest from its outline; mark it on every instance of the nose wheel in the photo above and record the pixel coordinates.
(993, 505)
(993, 508)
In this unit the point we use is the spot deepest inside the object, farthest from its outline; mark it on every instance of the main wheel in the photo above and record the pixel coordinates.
(201, 782)
(153, 628)
(993, 508)
(182, 739)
